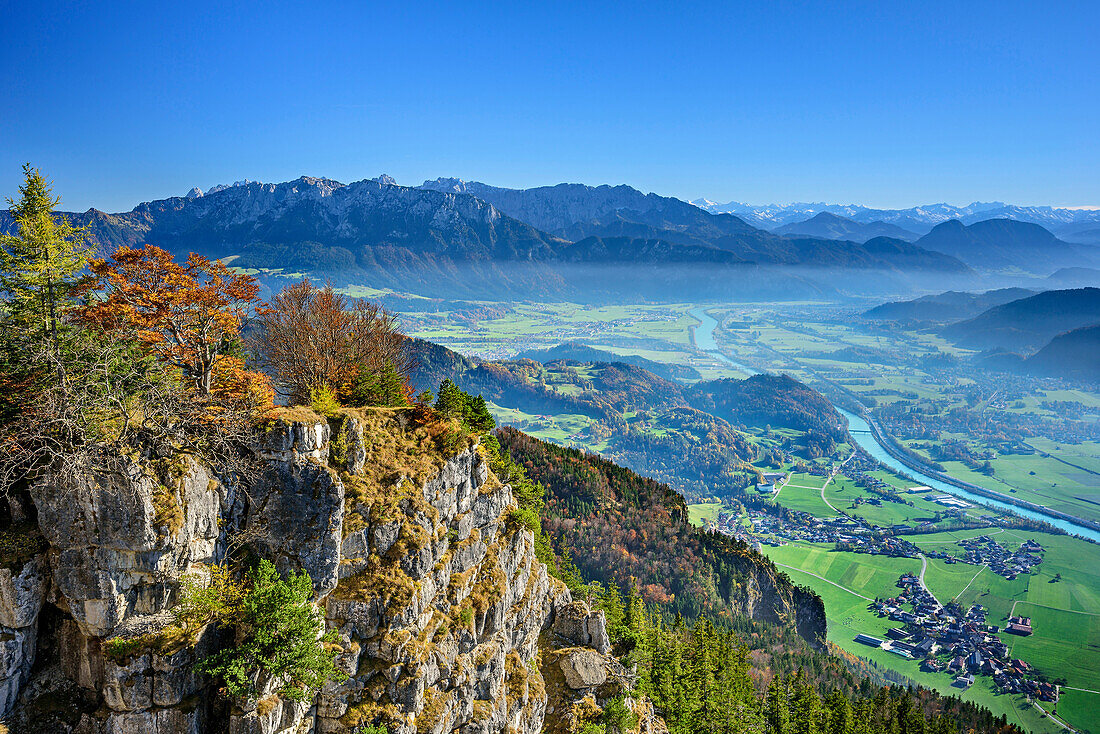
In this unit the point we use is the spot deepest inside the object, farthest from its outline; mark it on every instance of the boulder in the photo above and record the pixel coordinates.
(583, 668)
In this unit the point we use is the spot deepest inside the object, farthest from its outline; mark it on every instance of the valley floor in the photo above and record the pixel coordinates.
(808, 341)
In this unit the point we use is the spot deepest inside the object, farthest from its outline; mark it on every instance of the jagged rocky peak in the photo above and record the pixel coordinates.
(449, 185)
(385, 180)
(194, 193)
(442, 609)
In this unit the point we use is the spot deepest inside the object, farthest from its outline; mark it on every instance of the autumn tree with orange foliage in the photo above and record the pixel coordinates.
(149, 367)
(314, 337)
(188, 315)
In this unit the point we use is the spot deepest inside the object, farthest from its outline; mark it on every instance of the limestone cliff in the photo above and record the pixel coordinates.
(439, 601)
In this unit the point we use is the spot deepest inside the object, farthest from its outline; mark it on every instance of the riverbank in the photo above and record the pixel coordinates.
(882, 447)
(1070, 524)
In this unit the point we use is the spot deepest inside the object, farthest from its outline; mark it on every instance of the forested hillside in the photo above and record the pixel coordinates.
(689, 436)
(709, 621)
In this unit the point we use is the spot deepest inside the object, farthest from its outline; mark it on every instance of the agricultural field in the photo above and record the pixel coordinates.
(1038, 480)
(803, 492)
(661, 333)
(558, 428)
(846, 582)
(698, 513)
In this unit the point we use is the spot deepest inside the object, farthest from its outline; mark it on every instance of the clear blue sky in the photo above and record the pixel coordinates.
(882, 103)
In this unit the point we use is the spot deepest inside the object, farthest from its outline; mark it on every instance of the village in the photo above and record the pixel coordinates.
(961, 643)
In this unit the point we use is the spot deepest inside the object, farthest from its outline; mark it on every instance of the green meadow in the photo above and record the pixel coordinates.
(848, 616)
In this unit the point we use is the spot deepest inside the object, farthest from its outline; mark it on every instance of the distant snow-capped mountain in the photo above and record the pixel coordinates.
(920, 219)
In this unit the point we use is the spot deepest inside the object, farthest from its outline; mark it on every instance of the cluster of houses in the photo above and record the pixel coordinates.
(984, 550)
(771, 529)
(961, 643)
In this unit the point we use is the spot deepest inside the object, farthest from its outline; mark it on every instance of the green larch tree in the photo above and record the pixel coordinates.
(39, 266)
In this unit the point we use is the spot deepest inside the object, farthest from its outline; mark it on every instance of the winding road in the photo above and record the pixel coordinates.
(831, 477)
(920, 578)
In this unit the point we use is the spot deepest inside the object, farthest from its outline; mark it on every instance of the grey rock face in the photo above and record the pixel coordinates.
(22, 592)
(437, 600)
(296, 520)
(442, 656)
(17, 648)
(580, 625)
(113, 553)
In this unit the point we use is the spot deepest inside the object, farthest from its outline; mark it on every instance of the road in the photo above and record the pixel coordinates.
(1012, 612)
(980, 568)
(831, 476)
(920, 578)
(829, 479)
(1052, 717)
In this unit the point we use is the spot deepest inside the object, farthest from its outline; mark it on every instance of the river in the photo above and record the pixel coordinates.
(862, 435)
(704, 339)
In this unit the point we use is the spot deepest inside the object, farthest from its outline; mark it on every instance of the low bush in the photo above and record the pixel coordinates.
(279, 632)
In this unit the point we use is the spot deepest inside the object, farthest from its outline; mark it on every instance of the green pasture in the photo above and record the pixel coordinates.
(848, 616)
(703, 511)
(558, 428)
(1065, 644)
(803, 493)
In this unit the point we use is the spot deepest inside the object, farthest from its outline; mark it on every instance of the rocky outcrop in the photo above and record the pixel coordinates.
(583, 668)
(120, 542)
(22, 591)
(577, 624)
(445, 643)
(438, 599)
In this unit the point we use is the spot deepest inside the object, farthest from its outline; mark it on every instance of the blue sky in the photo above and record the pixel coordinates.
(881, 103)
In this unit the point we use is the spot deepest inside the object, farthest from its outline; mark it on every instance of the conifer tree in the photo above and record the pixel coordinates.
(777, 708)
(39, 266)
(451, 402)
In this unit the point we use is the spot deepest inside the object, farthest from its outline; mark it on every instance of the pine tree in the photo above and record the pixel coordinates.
(776, 707)
(805, 707)
(838, 713)
(451, 402)
(478, 416)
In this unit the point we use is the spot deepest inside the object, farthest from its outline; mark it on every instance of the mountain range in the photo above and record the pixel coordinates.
(919, 219)
(473, 240)
(1006, 245)
(830, 226)
(946, 307)
(986, 237)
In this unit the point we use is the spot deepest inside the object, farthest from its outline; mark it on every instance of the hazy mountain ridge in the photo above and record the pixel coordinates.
(919, 219)
(1026, 324)
(1007, 244)
(947, 306)
(1073, 355)
(834, 227)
